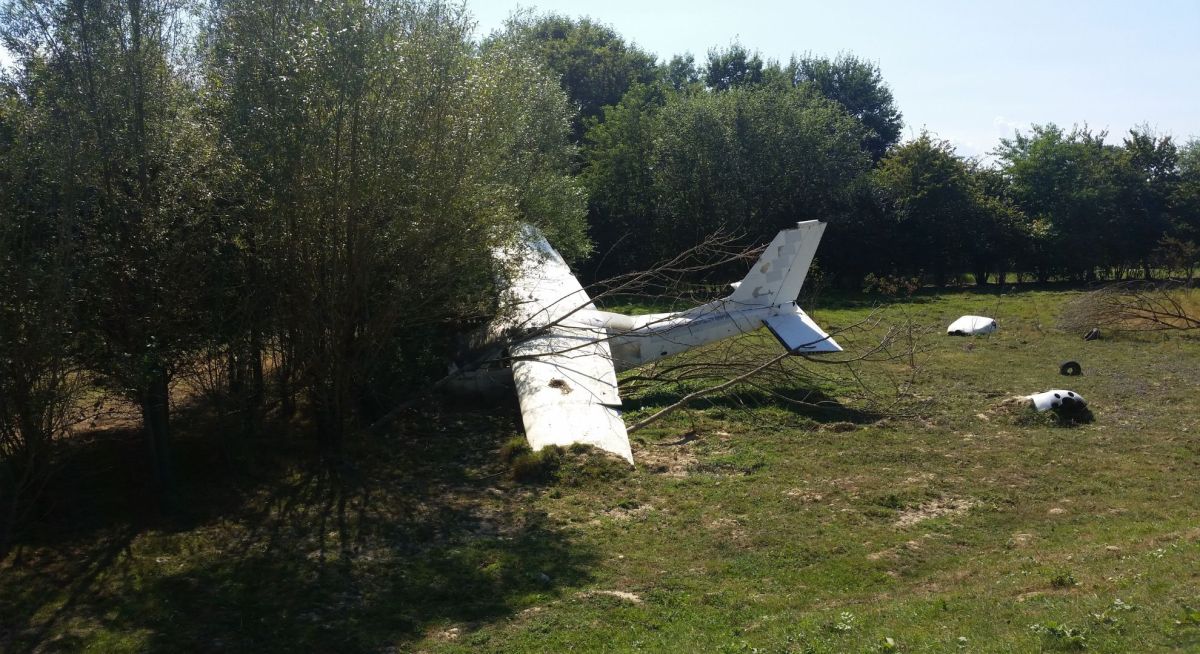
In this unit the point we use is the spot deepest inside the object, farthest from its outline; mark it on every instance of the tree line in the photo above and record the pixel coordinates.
(671, 151)
(290, 207)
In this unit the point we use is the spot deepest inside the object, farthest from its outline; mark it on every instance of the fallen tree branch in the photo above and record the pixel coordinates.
(705, 391)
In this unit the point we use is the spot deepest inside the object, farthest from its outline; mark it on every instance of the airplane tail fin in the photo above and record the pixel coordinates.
(779, 273)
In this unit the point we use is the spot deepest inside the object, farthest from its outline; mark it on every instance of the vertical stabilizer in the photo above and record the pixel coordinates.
(780, 272)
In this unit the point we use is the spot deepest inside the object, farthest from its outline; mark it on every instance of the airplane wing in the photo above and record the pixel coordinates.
(564, 373)
(569, 397)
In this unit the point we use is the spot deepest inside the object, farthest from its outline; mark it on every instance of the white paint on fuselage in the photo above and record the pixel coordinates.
(638, 340)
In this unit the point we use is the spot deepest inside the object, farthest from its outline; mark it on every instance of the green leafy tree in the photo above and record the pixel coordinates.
(143, 179)
(39, 378)
(619, 177)
(596, 66)
(856, 84)
(1185, 198)
(681, 72)
(1069, 184)
(932, 200)
(1001, 231)
(1180, 248)
(392, 158)
(733, 67)
(1147, 170)
(748, 161)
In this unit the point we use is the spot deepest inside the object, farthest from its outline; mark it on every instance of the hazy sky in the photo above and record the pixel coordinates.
(969, 71)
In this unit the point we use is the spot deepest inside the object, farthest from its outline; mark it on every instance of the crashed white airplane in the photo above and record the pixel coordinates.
(565, 353)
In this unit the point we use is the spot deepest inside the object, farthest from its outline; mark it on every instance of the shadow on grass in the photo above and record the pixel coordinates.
(420, 532)
(803, 402)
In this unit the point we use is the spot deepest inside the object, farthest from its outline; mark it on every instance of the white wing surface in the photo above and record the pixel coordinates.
(564, 375)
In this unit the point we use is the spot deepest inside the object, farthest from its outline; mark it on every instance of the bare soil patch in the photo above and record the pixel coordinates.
(939, 508)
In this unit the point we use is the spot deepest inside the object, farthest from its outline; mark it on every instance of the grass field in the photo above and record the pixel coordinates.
(749, 525)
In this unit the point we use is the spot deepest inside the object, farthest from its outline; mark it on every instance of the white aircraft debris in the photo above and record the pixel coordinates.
(1057, 399)
(971, 326)
(565, 353)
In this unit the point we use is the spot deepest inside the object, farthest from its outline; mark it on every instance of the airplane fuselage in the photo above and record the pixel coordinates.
(638, 340)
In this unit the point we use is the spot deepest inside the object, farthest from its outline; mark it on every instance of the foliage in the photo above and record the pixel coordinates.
(135, 176)
(931, 198)
(890, 285)
(858, 86)
(681, 72)
(1072, 182)
(1060, 637)
(667, 169)
(1063, 579)
(383, 139)
(733, 67)
(596, 66)
(302, 201)
(39, 383)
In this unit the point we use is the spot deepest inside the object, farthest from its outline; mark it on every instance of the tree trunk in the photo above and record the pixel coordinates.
(329, 420)
(284, 375)
(8, 523)
(981, 275)
(156, 418)
(257, 391)
(246, 382)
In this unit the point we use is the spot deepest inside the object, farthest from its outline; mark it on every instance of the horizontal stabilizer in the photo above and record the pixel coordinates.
(799, 334)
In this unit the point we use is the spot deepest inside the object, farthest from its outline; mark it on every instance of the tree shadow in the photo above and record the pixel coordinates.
(421, 530)
(808, 403)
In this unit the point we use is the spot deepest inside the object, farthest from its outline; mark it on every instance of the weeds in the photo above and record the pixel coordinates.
(844, 622)
(1060, 636)
(1063, 579)
(577, 465)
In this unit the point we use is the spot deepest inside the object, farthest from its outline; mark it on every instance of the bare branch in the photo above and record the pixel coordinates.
(1134, 307)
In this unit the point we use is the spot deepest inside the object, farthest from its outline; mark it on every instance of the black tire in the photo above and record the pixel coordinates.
(1070, 369)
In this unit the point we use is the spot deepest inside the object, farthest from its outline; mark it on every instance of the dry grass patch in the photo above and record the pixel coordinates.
(939, 508)
(667, 460)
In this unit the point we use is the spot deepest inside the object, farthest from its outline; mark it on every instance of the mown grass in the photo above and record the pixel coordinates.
(749, 523)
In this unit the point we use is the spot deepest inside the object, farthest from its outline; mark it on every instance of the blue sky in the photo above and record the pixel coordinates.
(971, 72)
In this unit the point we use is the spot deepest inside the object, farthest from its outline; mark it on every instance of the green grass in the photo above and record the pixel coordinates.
(956, 526)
